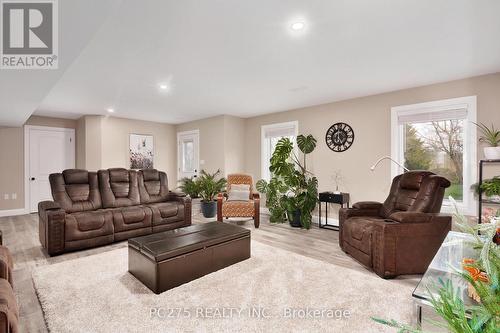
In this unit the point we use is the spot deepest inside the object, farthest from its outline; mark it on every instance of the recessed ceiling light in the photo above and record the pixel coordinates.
(297, 26)
(163, 86)
(110, 110)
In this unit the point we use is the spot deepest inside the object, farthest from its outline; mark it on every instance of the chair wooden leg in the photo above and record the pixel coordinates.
(256, 220)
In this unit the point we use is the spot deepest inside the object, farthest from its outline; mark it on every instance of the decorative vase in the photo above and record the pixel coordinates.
(492, 153)
(209, 208)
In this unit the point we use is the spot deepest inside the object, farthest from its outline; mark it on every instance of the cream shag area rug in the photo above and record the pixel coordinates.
(273, 291)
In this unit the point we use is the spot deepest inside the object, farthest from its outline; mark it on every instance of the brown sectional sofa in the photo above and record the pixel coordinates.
(97, 208)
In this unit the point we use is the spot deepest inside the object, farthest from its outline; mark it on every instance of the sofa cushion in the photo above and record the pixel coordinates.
(133, 217)
(166, 212)
(119, 187)
(76, 190)
(84, 225)
(153, 186)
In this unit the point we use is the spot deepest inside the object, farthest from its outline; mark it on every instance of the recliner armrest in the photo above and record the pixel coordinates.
(51, 232)
(411, 217)
(48, 205)
(367, 205)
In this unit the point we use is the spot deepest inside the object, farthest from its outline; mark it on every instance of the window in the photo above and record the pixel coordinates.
(440, 137)
(270, 136)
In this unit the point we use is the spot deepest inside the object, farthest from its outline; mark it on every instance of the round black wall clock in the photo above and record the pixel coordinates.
(339, 137)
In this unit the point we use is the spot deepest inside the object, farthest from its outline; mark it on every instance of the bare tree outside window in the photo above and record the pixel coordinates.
(437, 146)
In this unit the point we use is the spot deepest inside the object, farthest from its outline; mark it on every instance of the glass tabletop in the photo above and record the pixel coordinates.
(446, 264)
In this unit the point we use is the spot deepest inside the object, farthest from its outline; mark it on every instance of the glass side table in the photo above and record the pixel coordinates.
(445, 264)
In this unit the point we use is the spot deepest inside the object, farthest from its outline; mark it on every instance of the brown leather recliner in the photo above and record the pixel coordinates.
(402, 235)
(92, 209)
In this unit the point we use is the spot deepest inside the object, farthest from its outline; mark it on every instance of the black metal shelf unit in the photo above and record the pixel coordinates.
(481, 201)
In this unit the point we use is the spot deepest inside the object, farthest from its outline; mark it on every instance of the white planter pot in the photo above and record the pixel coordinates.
(492, 153)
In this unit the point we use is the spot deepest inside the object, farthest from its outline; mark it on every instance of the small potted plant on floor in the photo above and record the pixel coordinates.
(209, 186)
(491, 137)
(190, 186)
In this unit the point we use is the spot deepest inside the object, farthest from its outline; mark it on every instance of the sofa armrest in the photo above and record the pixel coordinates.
(346, 213)
(367, 205)
(186, 201)
(51, 226)
(176, 194)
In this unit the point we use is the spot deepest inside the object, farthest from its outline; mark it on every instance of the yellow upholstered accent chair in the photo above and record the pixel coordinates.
(240, 208)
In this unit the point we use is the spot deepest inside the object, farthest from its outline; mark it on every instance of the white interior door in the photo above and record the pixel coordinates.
(188, 149)
(50, 150)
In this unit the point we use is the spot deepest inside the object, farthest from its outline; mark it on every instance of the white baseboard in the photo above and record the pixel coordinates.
(13, 212)
(330, 221)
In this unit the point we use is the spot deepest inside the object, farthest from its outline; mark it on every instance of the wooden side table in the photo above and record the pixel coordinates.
(330, 197)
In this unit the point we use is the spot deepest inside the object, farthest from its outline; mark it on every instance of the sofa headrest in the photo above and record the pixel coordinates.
(118, 175)
(150, 174)
(412, 180)
(75, 176)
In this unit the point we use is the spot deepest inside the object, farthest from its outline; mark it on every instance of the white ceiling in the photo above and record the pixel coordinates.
(241, 57)
(22, 91)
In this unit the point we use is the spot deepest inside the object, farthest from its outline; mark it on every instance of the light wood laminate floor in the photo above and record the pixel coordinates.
(20, 235)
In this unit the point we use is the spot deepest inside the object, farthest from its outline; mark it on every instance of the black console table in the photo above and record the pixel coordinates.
(330, 197)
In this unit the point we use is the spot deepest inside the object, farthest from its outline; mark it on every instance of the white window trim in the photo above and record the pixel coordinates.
(264, 171)
(470, 147)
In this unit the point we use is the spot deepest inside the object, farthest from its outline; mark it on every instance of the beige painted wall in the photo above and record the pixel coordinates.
(234, 144)
(93, 142)
(11, 167)
(222, 143)
(115, 144)
(370, 119)
(101, 142)
(12, 159)
(211, 141)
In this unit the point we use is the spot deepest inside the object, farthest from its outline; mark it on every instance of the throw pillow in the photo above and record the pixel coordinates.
(238, 195)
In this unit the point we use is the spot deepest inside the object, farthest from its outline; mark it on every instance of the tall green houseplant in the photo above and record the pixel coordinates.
(293, 189)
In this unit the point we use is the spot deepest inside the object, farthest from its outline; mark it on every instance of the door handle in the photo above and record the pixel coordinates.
(32, 178)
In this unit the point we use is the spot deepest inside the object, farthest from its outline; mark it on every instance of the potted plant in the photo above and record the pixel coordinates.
(190, 186)
(482, 277)
(209, 186)
(294, 188)
(275, 192)
(491, 137)
(490, 188)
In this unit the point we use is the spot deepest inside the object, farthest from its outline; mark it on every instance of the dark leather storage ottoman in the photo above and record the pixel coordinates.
(165, 260)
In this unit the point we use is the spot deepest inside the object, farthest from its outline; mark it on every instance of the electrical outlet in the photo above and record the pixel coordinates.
(202, 162)
(13, 196)
(6, 197)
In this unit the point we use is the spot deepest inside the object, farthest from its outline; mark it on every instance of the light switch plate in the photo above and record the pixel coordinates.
(13, 196)
(6, 197)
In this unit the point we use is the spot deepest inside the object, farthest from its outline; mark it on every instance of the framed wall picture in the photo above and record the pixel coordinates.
(141, 151)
